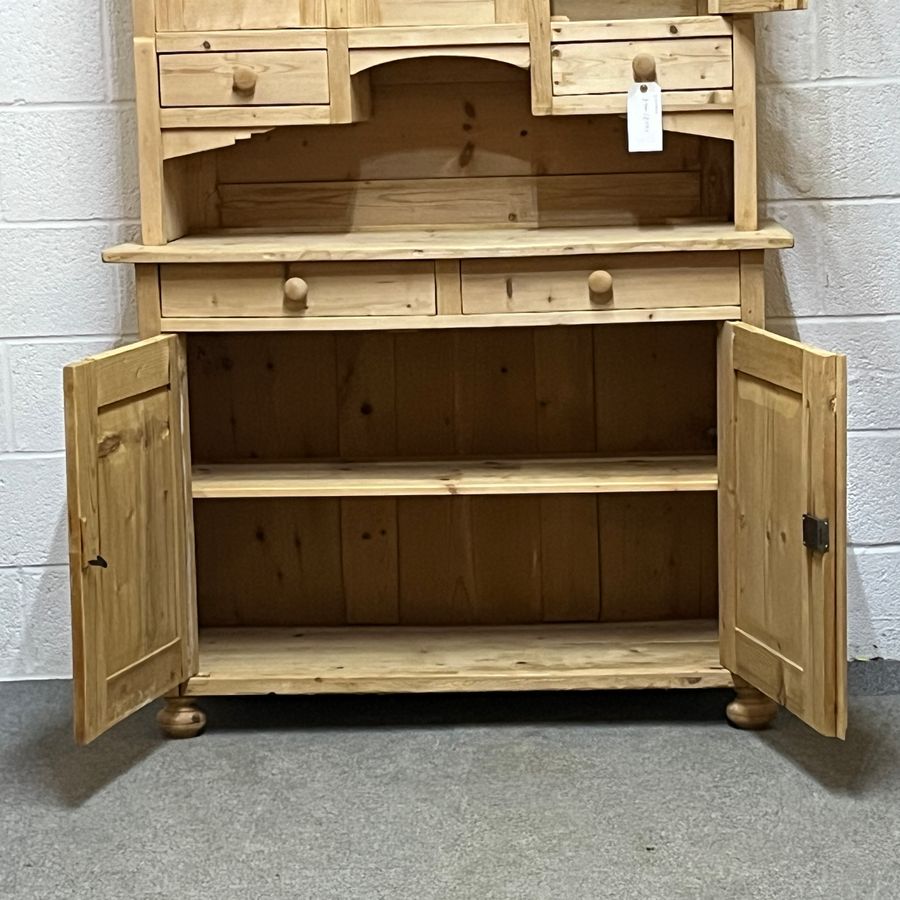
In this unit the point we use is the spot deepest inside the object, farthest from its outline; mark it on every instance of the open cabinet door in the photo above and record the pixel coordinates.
(782, 472)
(134, 627)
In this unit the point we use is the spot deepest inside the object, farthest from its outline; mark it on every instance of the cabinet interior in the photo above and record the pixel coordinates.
(441, 398)
(466, 153)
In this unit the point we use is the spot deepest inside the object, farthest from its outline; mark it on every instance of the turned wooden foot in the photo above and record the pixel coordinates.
(750, 709)
(181, 718)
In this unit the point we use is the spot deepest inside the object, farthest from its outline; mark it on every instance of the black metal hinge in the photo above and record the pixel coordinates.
(816, 534)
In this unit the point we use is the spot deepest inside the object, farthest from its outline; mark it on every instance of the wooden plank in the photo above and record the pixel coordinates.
(230, 41)
(277, 76)
(443, 322)
(370, 561)
(507, 559)
(206, 15)
(287, 381)
(448, 282)
(517, 202)
(496, 409)
(541, 76)
(667, 403)
(437, 36)
(270, 562)
(425, 393)
(746, 215)
(732, 7)
(706, 123)
(606, 67)
(501, 476)
(360, 660)
(367, 415)
(421, 12)
(410, 244)
(146, 288)
(131, 370)
(186, 141)
(150, 148)
(244, 116)
(672, 102)
(658, 556)
(339, 80)
(369, 58)
(753, 288)
(624, 9)
(595, 29)
(570, 563)
(377, 289)
(646, 281)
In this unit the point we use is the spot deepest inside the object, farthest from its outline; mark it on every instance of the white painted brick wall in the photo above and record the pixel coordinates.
(830, 114)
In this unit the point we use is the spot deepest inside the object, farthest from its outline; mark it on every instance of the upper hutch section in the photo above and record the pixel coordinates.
(281, 118)
(198, 15)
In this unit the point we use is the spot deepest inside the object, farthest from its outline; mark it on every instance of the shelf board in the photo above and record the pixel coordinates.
(231, 246)
(411, 479)
(406, 659)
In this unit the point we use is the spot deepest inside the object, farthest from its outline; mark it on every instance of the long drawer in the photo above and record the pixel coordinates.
(607, 67)
(247, 78)
(299, 289)
(626, 281)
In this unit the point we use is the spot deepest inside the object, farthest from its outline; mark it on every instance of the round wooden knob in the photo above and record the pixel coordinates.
(600, 282)
(644, 66)
(296, 290)
(244, 80)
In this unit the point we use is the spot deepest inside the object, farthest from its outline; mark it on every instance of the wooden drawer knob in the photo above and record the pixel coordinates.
(600, 282)
(244, 80)
(296, 291)
(644, 66)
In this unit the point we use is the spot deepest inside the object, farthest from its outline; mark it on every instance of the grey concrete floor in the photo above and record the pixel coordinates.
(620, 795)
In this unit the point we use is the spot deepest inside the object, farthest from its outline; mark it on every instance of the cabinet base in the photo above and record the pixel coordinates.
(181, 718)
(750, 709)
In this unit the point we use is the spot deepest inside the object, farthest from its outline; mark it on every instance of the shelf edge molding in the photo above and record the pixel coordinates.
(458, 477)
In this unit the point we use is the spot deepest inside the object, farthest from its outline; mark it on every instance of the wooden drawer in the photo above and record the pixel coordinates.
(248, 78)
(209, 15)
(605, 67)
(627, 281)
(299, 289)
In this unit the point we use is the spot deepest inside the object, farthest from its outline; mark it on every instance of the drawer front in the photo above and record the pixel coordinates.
(626, 281)
(212, 15)
(299, 289)
(249, 78)
(607, 67)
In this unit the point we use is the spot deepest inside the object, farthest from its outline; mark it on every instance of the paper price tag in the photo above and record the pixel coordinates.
(645, 131)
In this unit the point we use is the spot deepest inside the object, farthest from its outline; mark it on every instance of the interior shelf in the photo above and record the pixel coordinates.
(499, 658)
(407, 479)
(228, 246)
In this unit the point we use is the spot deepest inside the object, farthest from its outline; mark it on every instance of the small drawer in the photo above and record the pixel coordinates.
(626, 281)
(299, 289)
(606, 67)
(249, 78)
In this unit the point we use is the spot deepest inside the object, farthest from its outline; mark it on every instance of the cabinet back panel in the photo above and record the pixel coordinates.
(459, 560)
(610, 389)
(480, 160)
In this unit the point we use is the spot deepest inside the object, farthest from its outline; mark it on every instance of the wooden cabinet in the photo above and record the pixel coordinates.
(462, 397)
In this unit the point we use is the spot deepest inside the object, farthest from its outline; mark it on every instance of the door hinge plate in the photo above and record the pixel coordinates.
(816, 534)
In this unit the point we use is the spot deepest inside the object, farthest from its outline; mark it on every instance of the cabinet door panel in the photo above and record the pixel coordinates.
(130, 531)
(782, 433)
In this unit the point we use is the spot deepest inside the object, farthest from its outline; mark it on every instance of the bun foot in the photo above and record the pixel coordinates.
(750, 709)
(181, 718)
